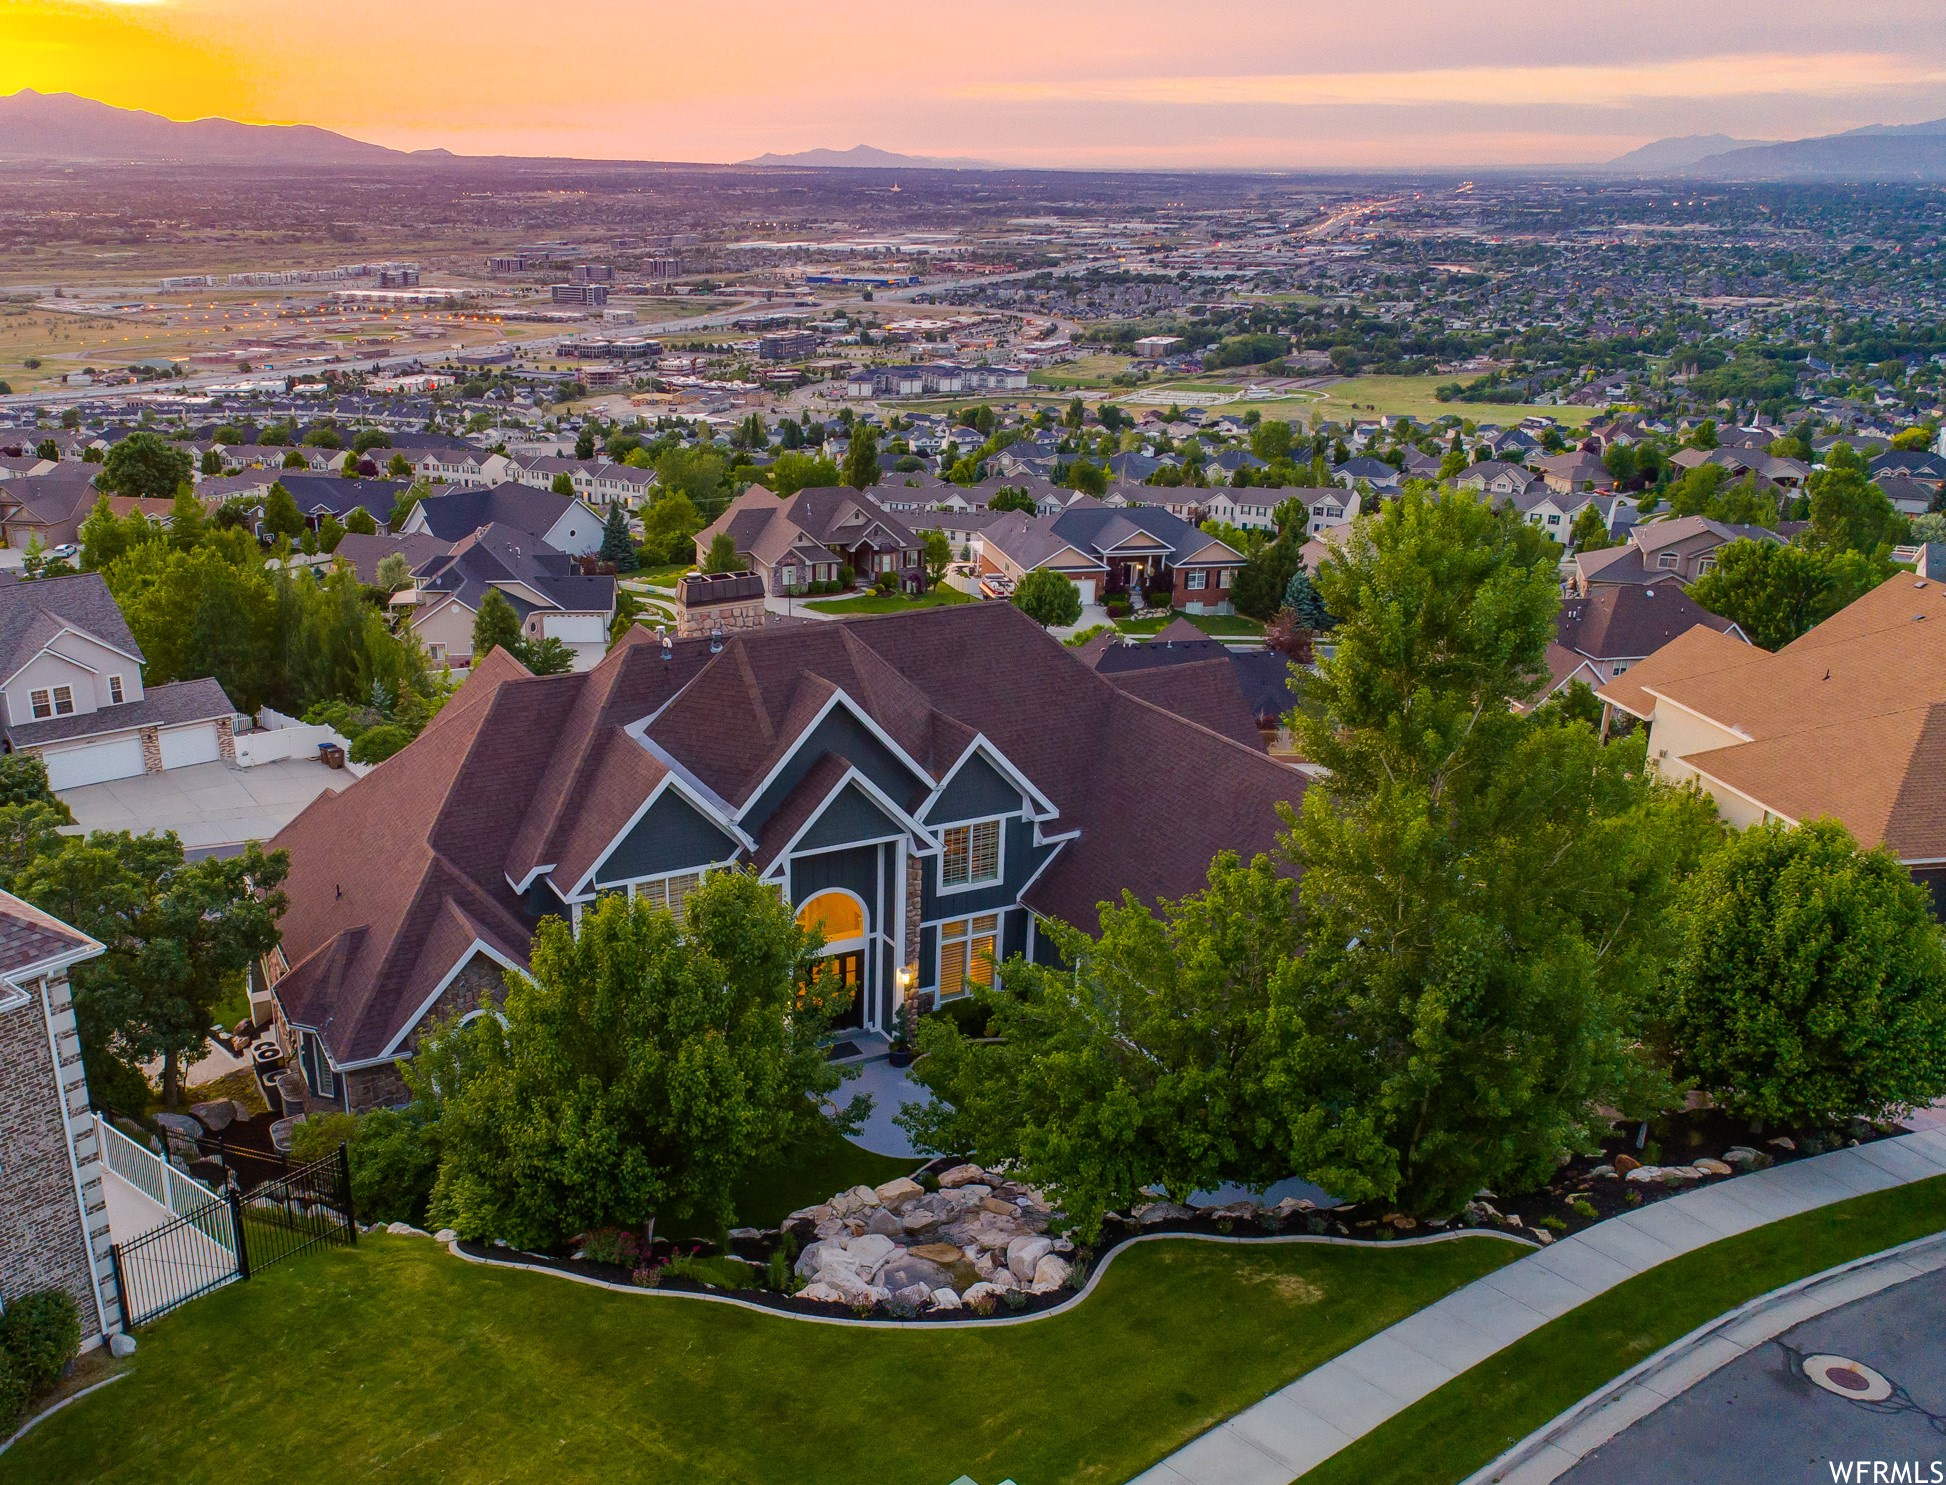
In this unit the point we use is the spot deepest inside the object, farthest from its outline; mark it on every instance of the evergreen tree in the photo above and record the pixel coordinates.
(495, 626)
(1301, 598)
(617, 545)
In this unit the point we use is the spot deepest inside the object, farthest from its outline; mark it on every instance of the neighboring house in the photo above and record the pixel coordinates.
(1249, 509)
(1376, 473)
(1679, 549)
(924, 788)
(548, 590)
(597, 481)
(1183, 670)
(1909, 497)
(805, 538)
(54, 1231)
(1617, 626)
(51, 507)
(1554, 511)
(1846, 721)
(25, 466)
(1103, 549)
(321, 495)
(1496, 477)
(1914, 464)
(464, 467)
(1578, 470)
(565, 523)
(71, 689)
(364, 553)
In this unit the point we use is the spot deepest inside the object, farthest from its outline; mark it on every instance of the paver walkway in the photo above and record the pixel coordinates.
(1298, 1427)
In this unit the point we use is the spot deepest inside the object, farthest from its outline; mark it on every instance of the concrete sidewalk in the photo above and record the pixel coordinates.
(1300, 1426)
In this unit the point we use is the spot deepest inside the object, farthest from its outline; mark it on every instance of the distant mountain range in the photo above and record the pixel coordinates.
(867, 157)
(1881, 153)
(62, 127)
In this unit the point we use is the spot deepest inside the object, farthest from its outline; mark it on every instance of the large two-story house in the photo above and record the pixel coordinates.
(562, 523)
(926, 788)
(807, 537)
(1105, 549)
(71, 689)
(553, 598)
(1677, 549)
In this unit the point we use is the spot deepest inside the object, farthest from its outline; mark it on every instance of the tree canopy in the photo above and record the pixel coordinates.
(146, 465)
(1776, 591)
(1048, 598)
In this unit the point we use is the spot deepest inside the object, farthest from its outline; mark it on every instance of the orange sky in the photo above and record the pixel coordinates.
(1282, 83)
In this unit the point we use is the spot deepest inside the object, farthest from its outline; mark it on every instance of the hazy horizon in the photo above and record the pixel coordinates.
(1397, 84)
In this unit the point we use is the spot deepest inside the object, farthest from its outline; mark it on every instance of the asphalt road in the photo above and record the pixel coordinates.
(1760, 1419)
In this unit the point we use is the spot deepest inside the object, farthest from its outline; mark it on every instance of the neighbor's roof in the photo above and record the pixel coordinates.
(1631, 622)
(33, 611)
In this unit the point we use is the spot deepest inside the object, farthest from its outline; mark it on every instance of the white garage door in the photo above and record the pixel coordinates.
(1087, 587)
(182, 746)
(94, 763)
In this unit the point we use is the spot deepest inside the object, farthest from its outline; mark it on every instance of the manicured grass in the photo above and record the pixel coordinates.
(1083, 371)
(1370, 396)
(813, 1171)
(889, 603)
(1475, 1417)
(1229, 626)
(661, 577)
(394, 1362)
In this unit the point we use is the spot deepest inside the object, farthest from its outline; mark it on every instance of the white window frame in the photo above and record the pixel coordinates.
(973, 883)
(957, 933)
(41, 703)
(64, 701)
(116, 695)
(1196, 580)
(1668, 560)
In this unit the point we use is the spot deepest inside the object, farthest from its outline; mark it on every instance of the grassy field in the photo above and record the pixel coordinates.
(890, 603)
(1475, 1417)
(394, 1362)
(1083, 371)
(1373, 396)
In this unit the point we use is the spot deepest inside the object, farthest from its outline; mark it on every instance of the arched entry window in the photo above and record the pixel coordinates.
(842, 963)
(839, 914)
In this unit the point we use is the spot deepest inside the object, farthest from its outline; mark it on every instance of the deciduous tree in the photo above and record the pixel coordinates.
(1048, 598)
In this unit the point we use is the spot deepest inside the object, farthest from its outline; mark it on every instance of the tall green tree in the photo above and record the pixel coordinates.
(1144, 1065)
(861, 457)
(1049, 598)
(1811, 986)
(641, 1070)
(938, 554)
(1301, 598)
(146, 465)
(791, 472)
(1589, 533)
(495, 626)
(617, 544)
(281, 515)
(669, 528)
(1775, 592)
(1848, 512)
(1483, 898)
(722, 555)
(177, 936)
(700, 475)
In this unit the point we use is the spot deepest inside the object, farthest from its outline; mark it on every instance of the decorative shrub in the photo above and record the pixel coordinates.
(13, 1393)
(1160, 597)
(41, 1332)
(846, 577)
(887, 581)
(379, 743)
(393, 1156)
(779, 1274)
(615, 1245)
(646, 1277)
(1117, 608)
(969, 1013)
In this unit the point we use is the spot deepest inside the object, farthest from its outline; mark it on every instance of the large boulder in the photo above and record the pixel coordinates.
(917, 1220)
(908, 1268)
(895, 1196)
(810, 1260)
(1742, 1157)
(1024, 1252)
(1153, 1214)
(1050, 1273)
(937, 1252)
(870, 1250)
(180, 1124)
(944, 1298)
(824, 1293)
(218, 1114)
(814, 1215)
(885, 1224)
(961, 1175)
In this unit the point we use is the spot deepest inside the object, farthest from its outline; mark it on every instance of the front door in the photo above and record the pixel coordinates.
(849, 970)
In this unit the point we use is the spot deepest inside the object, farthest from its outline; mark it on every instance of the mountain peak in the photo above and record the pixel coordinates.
(866, 157)
(67, 127)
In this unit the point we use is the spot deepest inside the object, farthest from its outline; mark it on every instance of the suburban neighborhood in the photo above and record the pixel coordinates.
(1291, 821)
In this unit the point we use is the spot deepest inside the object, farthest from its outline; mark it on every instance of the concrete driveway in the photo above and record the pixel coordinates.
(209, 805)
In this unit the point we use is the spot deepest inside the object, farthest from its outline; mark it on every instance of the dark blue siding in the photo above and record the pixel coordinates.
(851, 816)
(672, 836)
(1020, 859)
(841, 733)
(978, 791)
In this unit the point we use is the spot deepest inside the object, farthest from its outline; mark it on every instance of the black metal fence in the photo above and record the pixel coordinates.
(301, 1209)
(235, 1236)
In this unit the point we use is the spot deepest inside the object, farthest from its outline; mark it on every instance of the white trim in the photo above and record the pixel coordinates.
(838, 697)
(48, 649)
(581, 890)
(1056, 841)
(775, 871)
(878, 797)
(1041, 807)
(942, 888)
(74, 1164)
(478, 946)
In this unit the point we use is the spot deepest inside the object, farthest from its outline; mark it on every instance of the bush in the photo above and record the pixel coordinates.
(393, 1158)
(970, 1015)
(1117, 608)
(846, 577)
(1160, 597)
(377, 744)
(613, 1245)
(13, 1392)
(886, 582)
(41, 1334)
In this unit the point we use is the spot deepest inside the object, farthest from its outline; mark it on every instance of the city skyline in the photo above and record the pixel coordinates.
(1399, 84)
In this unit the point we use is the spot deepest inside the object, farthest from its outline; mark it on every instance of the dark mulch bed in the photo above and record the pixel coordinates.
(1585, 1190)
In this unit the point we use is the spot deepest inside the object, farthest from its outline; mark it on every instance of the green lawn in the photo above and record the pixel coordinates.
(1475, 1417)
(661, 577)
(1371, 396)
(395, 1362)
(815, 1171)
(889, 603)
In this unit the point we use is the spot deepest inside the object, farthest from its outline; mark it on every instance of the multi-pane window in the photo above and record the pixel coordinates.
(115, 690)
(43, 703)
(1198, 580)
(971, 855)
(63, 701)
(966, 947)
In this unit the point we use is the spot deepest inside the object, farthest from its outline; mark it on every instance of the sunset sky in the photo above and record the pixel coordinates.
(1276, 83)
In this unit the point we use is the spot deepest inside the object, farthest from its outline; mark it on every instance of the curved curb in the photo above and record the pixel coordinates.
(1560, 1444)
(46, 1413)
(1094, 1277)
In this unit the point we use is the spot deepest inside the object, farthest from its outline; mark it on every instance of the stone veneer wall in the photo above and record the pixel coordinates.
(699, 622)
(377, 1087)
(915, 902)
(46, 1135)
